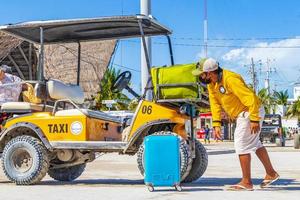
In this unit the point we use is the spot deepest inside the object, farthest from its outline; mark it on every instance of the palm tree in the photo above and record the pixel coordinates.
(133, 104)
(294, 109)
(281, 97)
(107, 93)
(265, 99)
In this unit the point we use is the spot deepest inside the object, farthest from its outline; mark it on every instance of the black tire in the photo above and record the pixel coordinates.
(199, 164)
(67, 173)
(297, 141)
(25, 160)
(185, 156)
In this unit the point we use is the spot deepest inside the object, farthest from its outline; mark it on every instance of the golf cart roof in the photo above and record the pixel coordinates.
(77, 30)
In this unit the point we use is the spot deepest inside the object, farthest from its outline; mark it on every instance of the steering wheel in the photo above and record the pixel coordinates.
(122, 81)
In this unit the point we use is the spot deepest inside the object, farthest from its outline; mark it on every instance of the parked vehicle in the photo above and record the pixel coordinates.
(271, 130)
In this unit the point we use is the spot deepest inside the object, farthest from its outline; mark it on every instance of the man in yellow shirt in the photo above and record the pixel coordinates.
(228, 91)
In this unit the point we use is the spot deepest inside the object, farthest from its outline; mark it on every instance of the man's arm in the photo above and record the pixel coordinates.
(215, 107)
(246, 96)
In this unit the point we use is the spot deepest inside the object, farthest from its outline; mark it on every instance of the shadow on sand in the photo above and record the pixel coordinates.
(203, 184)
(219, 152)
(281, 184)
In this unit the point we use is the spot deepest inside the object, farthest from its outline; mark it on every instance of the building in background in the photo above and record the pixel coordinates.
(20, 55)
(206, 119)
(60, 61)
(296, 92)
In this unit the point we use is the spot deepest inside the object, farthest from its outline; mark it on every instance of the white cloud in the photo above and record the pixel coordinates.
(234, 54)
(285, 60)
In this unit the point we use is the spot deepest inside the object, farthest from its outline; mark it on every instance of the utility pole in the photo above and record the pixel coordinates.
(254, 76)
(205, 28)
(253, 73)
(145, 10)
(275, 86)
(267, 80)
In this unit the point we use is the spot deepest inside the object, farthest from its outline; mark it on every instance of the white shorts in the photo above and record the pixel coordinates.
(244, 141)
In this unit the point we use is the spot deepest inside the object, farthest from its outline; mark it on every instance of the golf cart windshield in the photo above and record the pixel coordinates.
(77, 30)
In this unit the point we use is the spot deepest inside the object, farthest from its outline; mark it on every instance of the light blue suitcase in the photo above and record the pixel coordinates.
(162, 161)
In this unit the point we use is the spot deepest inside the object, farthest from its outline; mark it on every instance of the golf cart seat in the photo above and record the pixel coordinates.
(23, 107)
(58, 90)
(52, 91)
(29, 104)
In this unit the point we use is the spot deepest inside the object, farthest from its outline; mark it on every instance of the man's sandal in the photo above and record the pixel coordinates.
(238, 187)
(267, 182)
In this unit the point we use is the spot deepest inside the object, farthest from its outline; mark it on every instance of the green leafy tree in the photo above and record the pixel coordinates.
(107, 93)
(268, 101)
(281, 97)
(133, 104)
(294, 109)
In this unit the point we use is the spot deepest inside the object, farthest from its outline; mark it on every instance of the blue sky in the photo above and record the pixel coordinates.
(258, 20)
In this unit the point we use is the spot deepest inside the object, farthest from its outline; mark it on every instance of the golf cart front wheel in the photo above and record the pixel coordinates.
(25, 160)
(199, 164)
(185, 156)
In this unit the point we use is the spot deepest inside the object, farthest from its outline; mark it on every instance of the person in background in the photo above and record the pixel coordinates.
(228, 91)
(207, 134)
(10, 88)
(10, 85)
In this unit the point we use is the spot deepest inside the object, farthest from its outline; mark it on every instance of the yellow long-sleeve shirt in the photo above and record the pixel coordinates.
(233, 95)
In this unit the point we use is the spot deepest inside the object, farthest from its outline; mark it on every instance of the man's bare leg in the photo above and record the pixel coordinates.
(263, 156)
(245, 162)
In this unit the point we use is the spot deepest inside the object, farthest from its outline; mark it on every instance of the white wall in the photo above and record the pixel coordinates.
(281, 110)
(296, 91)
(293, 122)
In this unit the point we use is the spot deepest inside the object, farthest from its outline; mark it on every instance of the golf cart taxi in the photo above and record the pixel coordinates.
(60, 138)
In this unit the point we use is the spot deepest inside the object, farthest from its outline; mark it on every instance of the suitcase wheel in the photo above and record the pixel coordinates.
(150, 188)
(178, 188)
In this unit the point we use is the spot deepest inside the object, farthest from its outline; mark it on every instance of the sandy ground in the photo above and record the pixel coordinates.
(113, 176)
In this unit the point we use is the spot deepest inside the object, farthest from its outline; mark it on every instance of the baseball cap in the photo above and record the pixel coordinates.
(199, 68)
(210, 65)
(6, 68)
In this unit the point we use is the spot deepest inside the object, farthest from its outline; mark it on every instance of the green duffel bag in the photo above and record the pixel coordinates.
(175, 82)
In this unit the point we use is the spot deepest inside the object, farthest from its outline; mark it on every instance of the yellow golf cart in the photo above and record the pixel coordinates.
(60, 137)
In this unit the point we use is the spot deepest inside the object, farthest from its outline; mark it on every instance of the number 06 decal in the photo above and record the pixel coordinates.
(147, 110)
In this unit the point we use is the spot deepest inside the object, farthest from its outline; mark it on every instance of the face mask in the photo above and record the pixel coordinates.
(205, 81)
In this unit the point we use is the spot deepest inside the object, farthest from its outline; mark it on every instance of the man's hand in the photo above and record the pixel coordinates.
(254, 127)
(24, 87)
(218, 132)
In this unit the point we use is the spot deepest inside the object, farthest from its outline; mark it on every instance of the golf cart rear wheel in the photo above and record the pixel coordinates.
(297, 141)
(67, 173)
(25, 160)
(199, 164)
(185, 156)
